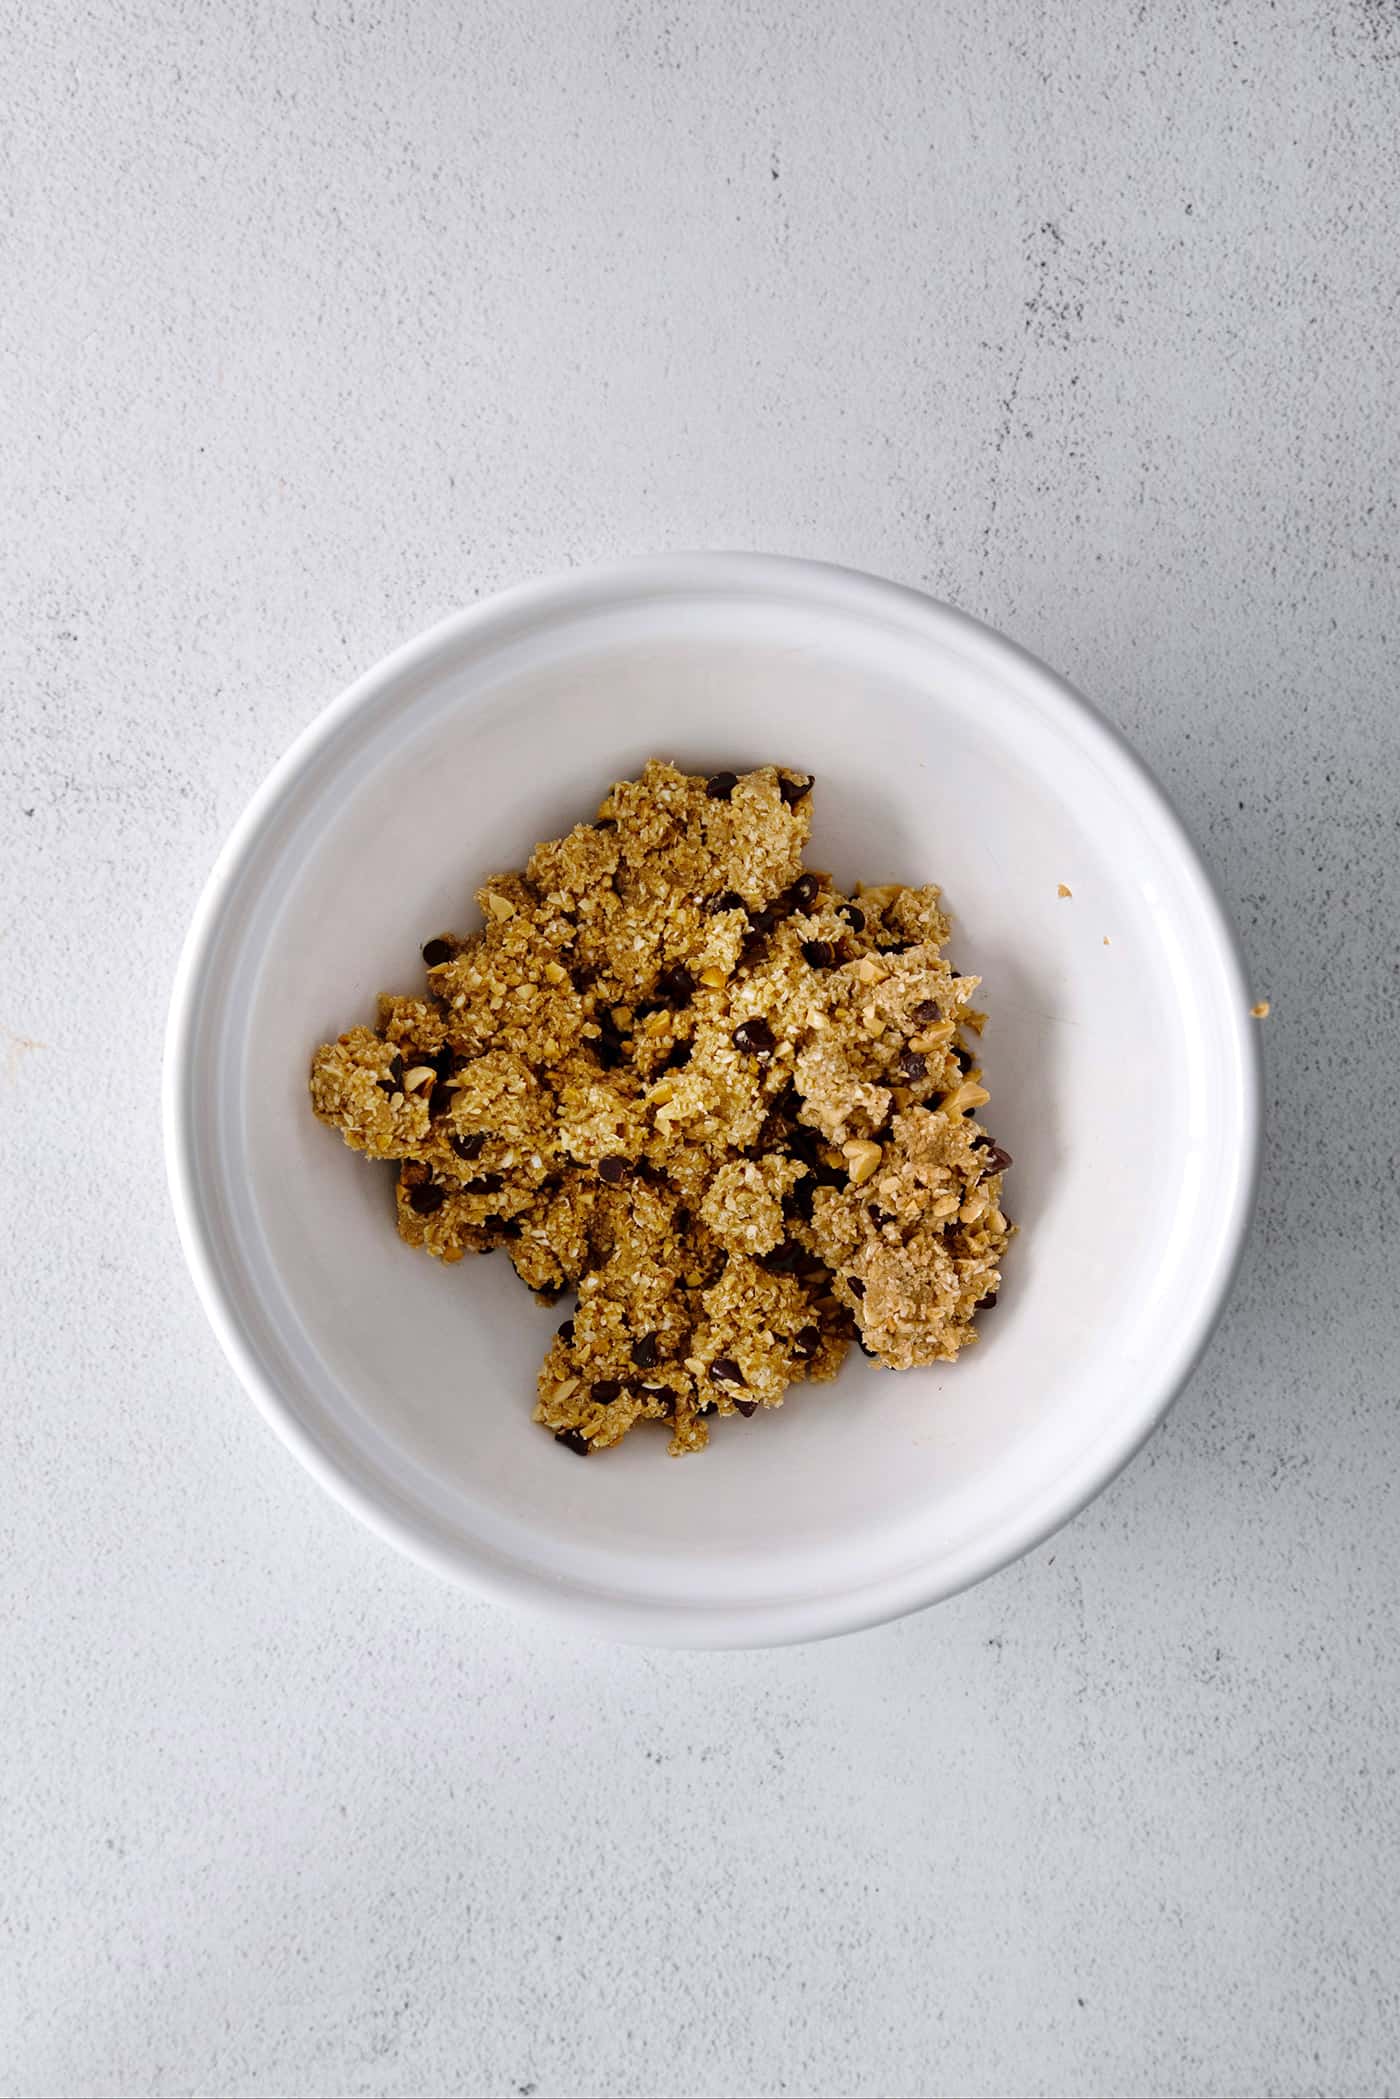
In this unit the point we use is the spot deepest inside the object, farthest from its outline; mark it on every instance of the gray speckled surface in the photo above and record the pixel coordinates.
(320, 319)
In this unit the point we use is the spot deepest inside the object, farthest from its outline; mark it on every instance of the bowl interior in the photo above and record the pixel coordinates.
(1119, 1075)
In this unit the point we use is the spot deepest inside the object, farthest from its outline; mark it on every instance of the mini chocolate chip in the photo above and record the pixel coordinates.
(436, 952)
(793, 789)
(566, 1333)
(573, 1439)
(807, 1343)
(727, 900)
(551, 1292)
(927, 1012)
(984, 1304)
(488, 1184)
(677, 1058)
(911, 1067)
(804, 892)
(614, 1170)
(998, 1158)
(676, 983)
(820, 954)
(606, 1390)
(963, 1059)
(426, 1198)
(721, 786)
(856, 1286)
(878, 1217)
(747, 1407)
(725, 1371)
(470, 1146)
(755, 1038)
(645, 1352)
(854, 917)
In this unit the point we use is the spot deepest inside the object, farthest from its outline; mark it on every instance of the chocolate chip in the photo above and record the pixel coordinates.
(566, 1333)
(444, 1063)
(727, 900)
(676, 983)
(551, 1292)
(426, 1198)
(854, 917)
(793, 788)
(470, 1146)
(387, 1087)
(503, 1227)
(573, 1439)
(645, 1352)
(753, 950)
(819, 954)
(856, 1286)
(984, 1304)
(677, 1058)
(807, 1343)
(614, 1170)
(755, 1038)
(927, 1012)
(606, 1390)
(396, 1071)
(725, 1371)
(488, 1184)
(436, 952)
(805, 891)
(962, 1059)
(911, 1067)
(747, 1407)
(721, 786)
(998, 1158)
(878, 1217)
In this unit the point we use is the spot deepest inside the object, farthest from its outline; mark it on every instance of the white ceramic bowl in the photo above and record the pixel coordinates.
(1120, 1056)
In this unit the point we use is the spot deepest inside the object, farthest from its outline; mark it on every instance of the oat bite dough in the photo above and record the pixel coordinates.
(729, 1107)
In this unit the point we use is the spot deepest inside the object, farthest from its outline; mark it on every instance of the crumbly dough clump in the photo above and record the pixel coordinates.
(728, 1106)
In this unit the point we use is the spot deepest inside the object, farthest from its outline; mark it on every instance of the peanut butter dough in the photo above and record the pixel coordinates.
(729, 1107)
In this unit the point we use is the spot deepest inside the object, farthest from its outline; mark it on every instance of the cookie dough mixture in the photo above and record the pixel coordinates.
(731, 1108)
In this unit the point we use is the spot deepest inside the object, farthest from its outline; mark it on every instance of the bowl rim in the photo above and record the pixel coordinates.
(724, 1625)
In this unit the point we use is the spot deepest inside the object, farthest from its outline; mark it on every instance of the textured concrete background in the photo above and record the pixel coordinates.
(320, 319)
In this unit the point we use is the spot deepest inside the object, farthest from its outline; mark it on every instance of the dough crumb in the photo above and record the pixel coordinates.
(728, 1107)
(1260, 1010)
